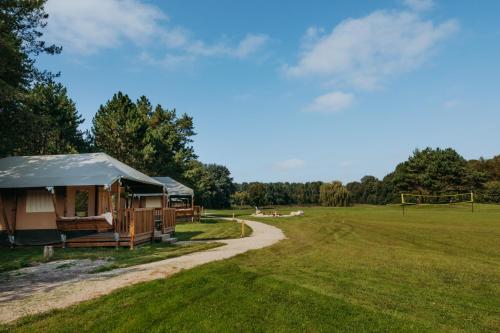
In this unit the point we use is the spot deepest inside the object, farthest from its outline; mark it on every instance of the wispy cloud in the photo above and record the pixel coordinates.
(364, 52)
(86, 27)
(334, 101)
(290, 164)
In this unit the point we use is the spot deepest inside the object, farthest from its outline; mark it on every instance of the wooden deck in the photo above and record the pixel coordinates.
(108, 239)
(134, 225)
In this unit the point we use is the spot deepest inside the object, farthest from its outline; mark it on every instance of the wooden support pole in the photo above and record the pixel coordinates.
(6, 223)
(14, 210)
(118, 205)
(54, 201)
(132, 228)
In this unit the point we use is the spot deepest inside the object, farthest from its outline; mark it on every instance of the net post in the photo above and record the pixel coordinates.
(403, 203)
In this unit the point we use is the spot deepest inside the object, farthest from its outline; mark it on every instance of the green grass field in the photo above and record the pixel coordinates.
(209, 229)
(341, 269)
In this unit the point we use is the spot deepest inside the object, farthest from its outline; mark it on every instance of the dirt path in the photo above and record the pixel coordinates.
(52, 294)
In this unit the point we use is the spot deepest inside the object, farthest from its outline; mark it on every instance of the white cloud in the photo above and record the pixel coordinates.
(419, 5)
(89, 26)
(365, 52)
(293, 163)
(250, 44)
(330, 103)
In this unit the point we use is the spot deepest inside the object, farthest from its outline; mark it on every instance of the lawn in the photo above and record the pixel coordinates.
(341, 269)
(209, 229)
(19, 257)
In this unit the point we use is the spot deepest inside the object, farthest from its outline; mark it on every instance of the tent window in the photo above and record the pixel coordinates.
(82, 203)
(153, 202)
(39, 202)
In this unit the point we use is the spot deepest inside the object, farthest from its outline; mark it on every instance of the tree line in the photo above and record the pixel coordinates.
(38, 117)
(428, 171)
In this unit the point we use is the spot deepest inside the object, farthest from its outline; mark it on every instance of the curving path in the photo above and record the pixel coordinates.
(53, 295)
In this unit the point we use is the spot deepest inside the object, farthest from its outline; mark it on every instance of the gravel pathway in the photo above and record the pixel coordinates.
(53, 293)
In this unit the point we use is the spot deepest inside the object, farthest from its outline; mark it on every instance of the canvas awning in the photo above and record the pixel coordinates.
(172, 188)
(69, 170)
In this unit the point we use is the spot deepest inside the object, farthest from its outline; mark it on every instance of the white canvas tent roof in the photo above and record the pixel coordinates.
(67, 170)
(173, 187)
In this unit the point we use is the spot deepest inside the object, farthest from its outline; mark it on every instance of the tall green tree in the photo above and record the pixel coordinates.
(334, 195)
(157, 142)
(167, 143)
(21, 25)
(46, 123)
(436, 171)
(119, 128)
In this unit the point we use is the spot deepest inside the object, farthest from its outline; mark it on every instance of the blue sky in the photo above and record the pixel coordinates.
(294, 91)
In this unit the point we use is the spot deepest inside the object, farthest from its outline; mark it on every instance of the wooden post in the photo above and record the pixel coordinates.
(96, 200)
(132, 228)
(242, 228)
(14, 223)
(118, 205)
(472, 201)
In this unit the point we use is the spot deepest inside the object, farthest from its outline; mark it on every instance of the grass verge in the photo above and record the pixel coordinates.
(210, 229)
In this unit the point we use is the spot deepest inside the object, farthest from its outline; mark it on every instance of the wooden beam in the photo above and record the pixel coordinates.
(132, 228)
(96, 200)
(5, 223)
(118, 205)
(14, 222)
(54, 201)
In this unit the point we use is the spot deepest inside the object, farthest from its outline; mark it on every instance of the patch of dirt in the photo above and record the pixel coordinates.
(49, 287)
(26, 281)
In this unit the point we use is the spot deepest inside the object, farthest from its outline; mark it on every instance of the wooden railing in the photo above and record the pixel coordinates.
(135, 221)
(186, 213)
(143, 220)
(169, 220)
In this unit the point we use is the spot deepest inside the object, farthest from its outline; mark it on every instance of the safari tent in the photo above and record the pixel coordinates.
(77, 200)
(177, 195)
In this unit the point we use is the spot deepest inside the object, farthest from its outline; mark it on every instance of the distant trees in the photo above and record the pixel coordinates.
(212, 183)
(240, 198)
(262, 194)
(491, 167)
(334, 194)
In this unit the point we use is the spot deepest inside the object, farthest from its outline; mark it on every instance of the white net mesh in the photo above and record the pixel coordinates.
(422, 199)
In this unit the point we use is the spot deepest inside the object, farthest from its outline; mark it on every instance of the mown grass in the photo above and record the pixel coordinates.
(210, 229)
(19, 257)
(341, 269)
